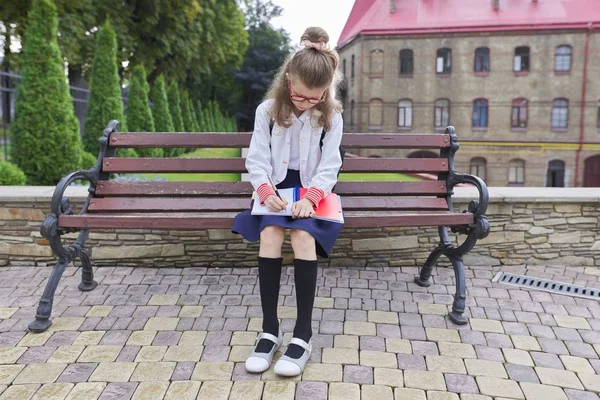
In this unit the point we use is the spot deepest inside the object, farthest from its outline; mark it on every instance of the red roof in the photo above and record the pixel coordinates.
(372, 17)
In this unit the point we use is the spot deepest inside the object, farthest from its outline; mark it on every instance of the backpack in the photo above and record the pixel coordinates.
(323, 132)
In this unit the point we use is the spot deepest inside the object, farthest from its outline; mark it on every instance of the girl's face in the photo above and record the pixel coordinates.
(303, 97)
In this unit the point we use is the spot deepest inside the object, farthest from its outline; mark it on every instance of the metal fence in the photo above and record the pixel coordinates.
(8, 95)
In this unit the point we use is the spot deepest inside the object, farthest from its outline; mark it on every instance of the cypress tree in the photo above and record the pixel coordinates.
(160, 111)
(105, 101)
(175, 111)
(45, 140)
(139, 116)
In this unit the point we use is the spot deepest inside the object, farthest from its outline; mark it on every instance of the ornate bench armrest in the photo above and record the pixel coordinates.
(481, 226)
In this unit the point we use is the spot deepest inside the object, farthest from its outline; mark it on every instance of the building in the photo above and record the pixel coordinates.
(518, 79)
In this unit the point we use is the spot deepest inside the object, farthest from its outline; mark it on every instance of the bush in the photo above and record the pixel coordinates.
(87, 160)
(127, 152)
(105, 101)
(45, 140)
(11, 175)
(175, 110)
(160, 111)
(139, 116)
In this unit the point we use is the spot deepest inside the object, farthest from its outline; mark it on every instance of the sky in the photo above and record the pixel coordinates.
(298, 15)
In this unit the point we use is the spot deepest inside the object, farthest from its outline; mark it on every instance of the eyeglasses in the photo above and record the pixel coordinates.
(299, 98)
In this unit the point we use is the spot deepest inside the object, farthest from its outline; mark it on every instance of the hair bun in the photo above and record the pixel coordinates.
(315, 35)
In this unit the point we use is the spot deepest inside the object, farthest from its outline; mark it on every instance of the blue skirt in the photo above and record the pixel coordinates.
(324, 232)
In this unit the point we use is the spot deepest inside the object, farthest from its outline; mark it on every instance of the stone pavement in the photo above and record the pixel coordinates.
(185, 333)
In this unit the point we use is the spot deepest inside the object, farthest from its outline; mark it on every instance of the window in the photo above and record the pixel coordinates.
(482, 59)
(518, 116)
(480, 113)
(344, 67)
(404, 114)
(376, 63)
(352, 67)
(562, 59)
(442, 113)
(478, 167)
(521, 60)
(560, 114)
(352, 117)
(406, 62)
(516, 172)
(443, 61)
(375, 114)
(556, 174)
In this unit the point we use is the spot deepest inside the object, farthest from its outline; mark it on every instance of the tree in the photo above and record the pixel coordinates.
(45, 140)
(267, 50)
(139, 116)
(160, 111)
(105, 101)
(175, 111)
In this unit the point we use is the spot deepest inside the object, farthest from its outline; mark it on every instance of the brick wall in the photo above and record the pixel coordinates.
(529, 226)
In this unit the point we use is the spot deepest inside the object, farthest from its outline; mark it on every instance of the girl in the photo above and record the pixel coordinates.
(286, 149)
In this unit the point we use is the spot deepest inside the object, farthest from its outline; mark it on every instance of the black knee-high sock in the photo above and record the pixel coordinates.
(305, 276)
(269, 275)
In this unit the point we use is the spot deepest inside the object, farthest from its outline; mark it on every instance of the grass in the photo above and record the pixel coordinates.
(234, 177)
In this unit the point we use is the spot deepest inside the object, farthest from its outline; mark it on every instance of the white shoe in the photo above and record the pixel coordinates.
(260, 362)
(287, 366)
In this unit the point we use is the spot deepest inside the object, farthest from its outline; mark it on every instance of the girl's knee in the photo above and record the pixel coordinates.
(301, 239)
(272, 235)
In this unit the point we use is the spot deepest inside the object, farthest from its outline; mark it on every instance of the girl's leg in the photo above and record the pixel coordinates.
(305, 276)
(269, 275)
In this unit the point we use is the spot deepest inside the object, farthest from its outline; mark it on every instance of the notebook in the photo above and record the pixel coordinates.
(328, 209)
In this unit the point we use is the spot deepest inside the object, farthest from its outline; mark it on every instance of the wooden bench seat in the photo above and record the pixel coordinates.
(199, 205)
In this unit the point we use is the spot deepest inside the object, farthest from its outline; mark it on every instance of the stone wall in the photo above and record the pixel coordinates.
(529, 226)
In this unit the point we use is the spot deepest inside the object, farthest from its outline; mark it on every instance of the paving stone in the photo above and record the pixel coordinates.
(489, 353)
(521, 373)
(343, 391)
(485, 368)
(383, 317)
(88, 338)
(541, 331)
(373, 343)
(113, 372)
(486, 325)
(445, 364)
(413, 332)
(376, 392)
(242, 390)
(359, 328)
(86, 391)
(276, 390)
(537, 391)
(461, 383)
(581, 350)
(546, 360)
(150, 391)
(409, 394)
(341, 356)
(498, 340)
(591, 382)
(577, 364)
(358, 374)
(499, 387)
(567, 334)
(100, 354)
(151, 353)
(10, 355)
(435, 395)
(213, 371)
(161, 324)
(388, 377)
(39, 373)
(426, 380)
(307, 390)
(79, 372)
(471, 337)
(562, 378)
(322, 372)
(424, 348)
(348, 342)
(553, 346)
(183, 390)
(457, 350)
(19, 392)
(580, 395)
(192, 338)
(153, 371)
(9, 372)
(442, 335)
(66, 354)
(566, 321)
(436, 309)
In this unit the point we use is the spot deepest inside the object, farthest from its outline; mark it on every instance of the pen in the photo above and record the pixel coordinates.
(274, 188)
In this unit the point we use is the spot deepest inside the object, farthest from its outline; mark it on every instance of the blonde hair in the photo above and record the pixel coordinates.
(315, 67)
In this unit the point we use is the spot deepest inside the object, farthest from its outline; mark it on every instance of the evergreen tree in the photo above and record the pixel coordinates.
(105, 101)
(139, 116)
(160, 111)
(175, 111)
(186, 115)
(45, 140)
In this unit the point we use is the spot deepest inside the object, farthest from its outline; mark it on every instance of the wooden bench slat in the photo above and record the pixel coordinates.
(147, 189)
(195, 221)
(240, 140)
(191, 204)
(198, 165)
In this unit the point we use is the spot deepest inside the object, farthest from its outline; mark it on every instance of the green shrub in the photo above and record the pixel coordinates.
(127, 152)
(11, 175)
(175, 110)
(87, 160)
(45, 140)
(139, 116)
(105, 101)
(160, 111)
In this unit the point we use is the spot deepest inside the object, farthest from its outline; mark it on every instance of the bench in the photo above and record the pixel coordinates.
(200, 205)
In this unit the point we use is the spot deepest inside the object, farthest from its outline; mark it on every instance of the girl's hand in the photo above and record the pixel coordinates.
(275, 204)
(303, 208)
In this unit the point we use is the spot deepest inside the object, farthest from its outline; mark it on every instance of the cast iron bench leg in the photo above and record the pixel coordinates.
(44, 310)
(460, 296)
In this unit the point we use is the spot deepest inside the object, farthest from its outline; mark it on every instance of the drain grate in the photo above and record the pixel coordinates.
(547, 285)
